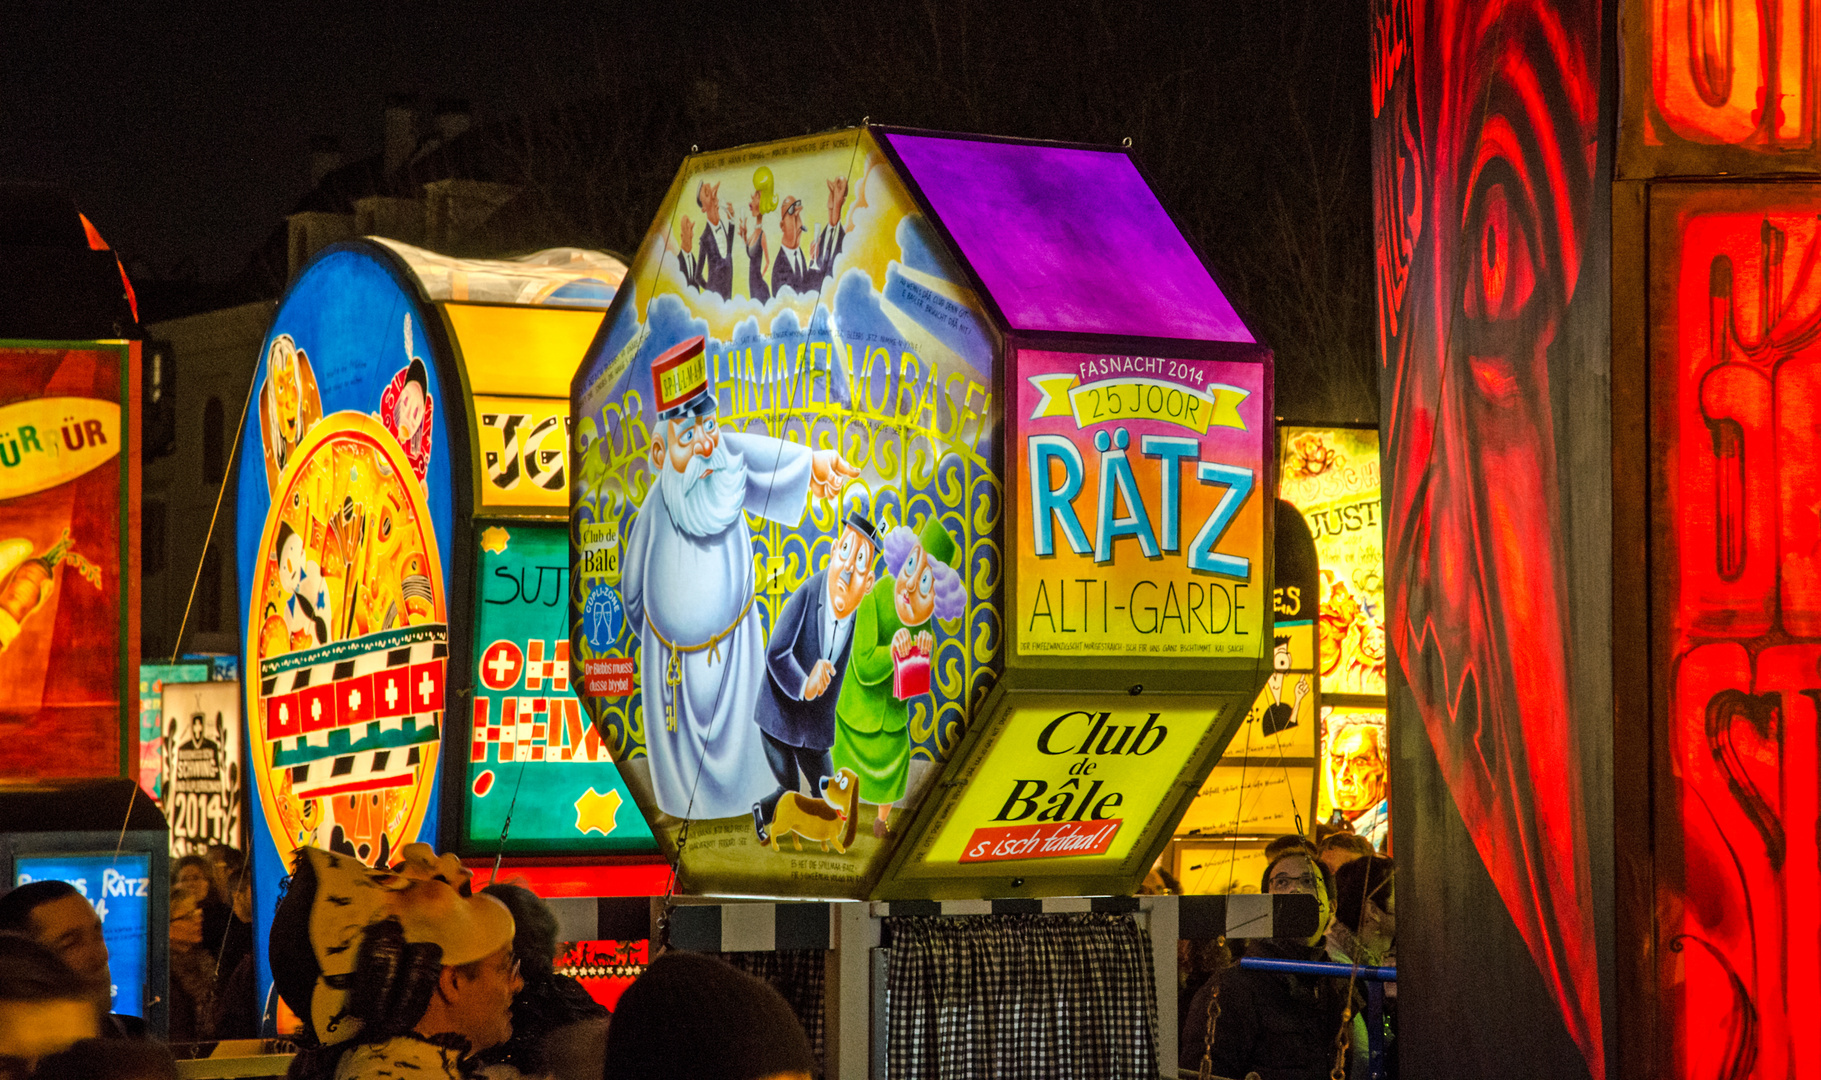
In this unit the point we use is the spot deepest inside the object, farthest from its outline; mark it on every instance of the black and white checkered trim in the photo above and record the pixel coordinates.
(765, 927)
(1244, 915)
(1049, 905)
(416, 645)
(753, 927)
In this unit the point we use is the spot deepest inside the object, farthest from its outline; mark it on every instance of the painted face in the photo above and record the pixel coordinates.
(850, 574)
(408, 413)
(915, 596)
(290, 564)
(287, 392)
(708, 197)
(1280, 657)
(1357, 769)
(1489, 253)
(790, 222)
(693, 436)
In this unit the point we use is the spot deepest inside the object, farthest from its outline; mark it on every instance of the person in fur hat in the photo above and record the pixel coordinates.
(393, 972)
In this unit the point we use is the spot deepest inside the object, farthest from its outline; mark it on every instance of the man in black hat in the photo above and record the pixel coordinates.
(805, 661)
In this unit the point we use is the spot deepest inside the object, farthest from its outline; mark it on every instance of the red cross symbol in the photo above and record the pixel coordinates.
(501, 665)
(427, 685)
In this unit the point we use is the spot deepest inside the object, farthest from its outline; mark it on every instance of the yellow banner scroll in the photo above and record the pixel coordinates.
(1139, 398)
(53, 440)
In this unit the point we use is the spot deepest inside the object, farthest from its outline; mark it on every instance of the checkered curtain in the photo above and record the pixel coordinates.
(800, 976)
(1010, 996)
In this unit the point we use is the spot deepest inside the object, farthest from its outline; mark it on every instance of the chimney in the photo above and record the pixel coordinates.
(401, 130)
(325, 157)
(451, 117)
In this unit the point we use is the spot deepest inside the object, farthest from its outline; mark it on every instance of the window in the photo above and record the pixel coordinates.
(214, 459)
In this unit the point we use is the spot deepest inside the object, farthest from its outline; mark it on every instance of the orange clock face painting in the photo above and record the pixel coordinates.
(349, 636)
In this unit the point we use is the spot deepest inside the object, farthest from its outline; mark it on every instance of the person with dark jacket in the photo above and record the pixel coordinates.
(109, 1059)
(236, 1013)
(1279, 1026)
(554, 1019)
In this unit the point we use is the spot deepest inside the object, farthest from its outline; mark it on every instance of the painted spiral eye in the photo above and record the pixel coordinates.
(1500, 249)
(1505, 275)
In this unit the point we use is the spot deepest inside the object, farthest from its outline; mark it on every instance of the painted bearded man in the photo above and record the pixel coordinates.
(688, 578)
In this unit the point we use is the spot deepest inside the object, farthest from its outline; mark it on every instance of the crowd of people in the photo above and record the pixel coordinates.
(1280, 1025)
(412, 971)
(406, 971)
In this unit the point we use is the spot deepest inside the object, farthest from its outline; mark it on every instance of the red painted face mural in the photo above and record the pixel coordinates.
(1738, 375)
(1485, 134)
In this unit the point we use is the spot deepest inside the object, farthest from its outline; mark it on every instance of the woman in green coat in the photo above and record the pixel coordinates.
(871, 721)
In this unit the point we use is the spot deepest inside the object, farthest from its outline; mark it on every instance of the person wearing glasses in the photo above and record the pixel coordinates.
(806, 271)
(1279, 1026)
(400, 972)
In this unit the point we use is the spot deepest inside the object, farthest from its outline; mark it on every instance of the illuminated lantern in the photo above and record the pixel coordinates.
(1498, 503)
(401, 467)
(918, 540)
(69, 489)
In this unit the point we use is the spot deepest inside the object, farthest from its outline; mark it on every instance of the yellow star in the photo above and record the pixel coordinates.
(595, 812)
(494, 539)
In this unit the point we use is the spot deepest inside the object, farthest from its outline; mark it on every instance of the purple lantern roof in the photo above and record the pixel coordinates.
(1068, 239)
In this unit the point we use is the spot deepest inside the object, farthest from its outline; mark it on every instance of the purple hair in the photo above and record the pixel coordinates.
(951, 598)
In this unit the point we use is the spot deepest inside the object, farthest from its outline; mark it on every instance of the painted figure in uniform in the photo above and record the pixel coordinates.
(688, 583)
(872, 717)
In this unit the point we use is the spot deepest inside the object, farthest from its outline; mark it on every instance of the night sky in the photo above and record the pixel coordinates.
(184, 131)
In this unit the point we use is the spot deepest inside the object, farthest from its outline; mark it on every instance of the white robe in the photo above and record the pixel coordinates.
(690, 589)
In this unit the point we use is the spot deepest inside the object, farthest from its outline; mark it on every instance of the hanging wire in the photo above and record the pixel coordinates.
(209, 538)
(506, 826)
(668, 904)
(120, 844)
(662, 941)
